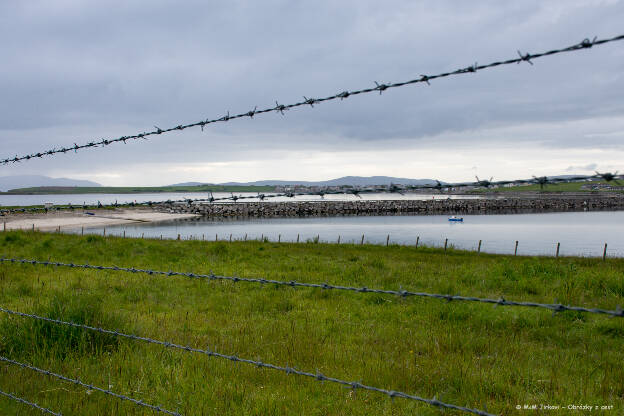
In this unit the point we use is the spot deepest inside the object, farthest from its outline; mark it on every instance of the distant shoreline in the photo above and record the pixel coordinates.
(79, 190)
(75, 220)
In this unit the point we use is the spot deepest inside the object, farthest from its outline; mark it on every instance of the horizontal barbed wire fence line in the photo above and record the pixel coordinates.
(289, 370)
(391, 189)
(555, 307)
(35, 405)
(88, 386)
(585, 44)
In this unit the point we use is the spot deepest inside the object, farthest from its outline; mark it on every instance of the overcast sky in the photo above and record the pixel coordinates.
(76, 71)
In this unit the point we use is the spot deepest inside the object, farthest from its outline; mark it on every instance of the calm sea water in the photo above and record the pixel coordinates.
(92, 199)
(580, 233)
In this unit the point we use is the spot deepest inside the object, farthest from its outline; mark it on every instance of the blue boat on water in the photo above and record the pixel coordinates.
(456, 219)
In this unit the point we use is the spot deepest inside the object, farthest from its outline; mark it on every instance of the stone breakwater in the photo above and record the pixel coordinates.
(395, 207)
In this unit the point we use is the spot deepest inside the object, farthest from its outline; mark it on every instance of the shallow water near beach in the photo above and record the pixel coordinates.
(579, 233)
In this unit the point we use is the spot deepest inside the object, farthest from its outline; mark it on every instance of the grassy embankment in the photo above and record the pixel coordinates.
(51, 190)
(463, 353)
(557, 187)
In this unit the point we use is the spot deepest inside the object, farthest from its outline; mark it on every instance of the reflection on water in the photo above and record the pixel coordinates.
(580, 233)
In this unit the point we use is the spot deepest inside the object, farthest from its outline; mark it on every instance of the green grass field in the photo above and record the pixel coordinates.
(468, 354)
(51, 190)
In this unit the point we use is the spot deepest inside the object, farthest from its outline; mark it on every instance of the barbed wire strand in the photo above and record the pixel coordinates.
(555, 307)
(280, 108)
(88, 386)
(35, 405)
(393, 189)
(289, 370)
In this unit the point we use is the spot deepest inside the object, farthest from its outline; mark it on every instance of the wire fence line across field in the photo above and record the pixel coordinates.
(528, 57)
(35, 405)
(555, 307)
(357, 192)
(88, 386)
(289, 370)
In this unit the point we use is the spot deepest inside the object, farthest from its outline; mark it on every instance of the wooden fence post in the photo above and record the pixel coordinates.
(104, 232)
(216, 237)
(445, 243)
(245, 236)
(338, 238)
(230, 238)
(178, 236)
(604, 253)
(387, 240)
(362, 242)
(417, 240)
(558, 245)
(516, 249)
(279, 238)
(297, 237)
(479, 249)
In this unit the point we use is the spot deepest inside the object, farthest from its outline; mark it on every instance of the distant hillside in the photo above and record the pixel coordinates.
(190, 184)
(51, 190)
(28, 181)
(345, 180)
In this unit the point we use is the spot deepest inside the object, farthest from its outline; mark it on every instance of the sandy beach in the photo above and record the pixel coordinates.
(78, 219)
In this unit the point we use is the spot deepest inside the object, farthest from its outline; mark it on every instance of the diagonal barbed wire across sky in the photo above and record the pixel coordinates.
(280, 108)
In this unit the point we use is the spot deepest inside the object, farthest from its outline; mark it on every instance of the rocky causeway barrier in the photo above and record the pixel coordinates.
(396, 207)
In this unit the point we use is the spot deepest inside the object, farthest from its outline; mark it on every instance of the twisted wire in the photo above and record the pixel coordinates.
(35, 405)
(88, 386)
(555, 307)
(280, 108)
(289, 370)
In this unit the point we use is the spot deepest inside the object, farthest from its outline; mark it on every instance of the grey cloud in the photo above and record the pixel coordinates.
(77, 71)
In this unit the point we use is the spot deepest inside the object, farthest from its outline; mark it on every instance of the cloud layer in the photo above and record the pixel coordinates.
(76, 71)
